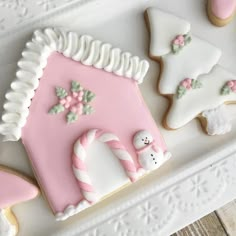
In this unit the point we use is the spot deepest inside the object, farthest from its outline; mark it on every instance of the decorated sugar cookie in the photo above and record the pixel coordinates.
(191, 77)
(221, 12)
(76, 106)
(14, 190)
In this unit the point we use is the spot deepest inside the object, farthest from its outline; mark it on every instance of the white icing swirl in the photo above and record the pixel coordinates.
(6, 228)
(34, 59)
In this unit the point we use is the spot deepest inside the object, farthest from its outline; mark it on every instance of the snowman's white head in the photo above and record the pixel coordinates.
(141, 139)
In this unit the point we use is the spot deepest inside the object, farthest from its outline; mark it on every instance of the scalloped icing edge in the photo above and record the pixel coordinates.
(83, 48)
(72, 210)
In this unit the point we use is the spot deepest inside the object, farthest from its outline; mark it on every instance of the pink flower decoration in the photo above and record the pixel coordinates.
(230, 83)
(62, 101)
(80, 96)
(179, 40)
(234, 88)
(73, 109)
(74, 94)
(66, 102)
(176, 41)
(77, 108)
(187, 83)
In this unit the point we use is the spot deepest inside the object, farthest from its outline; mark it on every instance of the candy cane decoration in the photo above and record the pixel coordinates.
(79, 156)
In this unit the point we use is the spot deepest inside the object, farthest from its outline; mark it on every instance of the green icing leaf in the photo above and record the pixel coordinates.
(61, 92)
(71, 117)
(88, 96)
(87, 109)
(75, 86)
(196, 84)
(56, 109)
(225, 90)
(181, 91)
(175, 48)
(187, 38)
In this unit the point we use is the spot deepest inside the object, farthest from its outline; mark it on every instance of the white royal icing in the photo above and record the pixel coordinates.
(150, 156)
(151, 159)
(196, 58)
(217, 120)
(6, 228)
(104, 180)
(34, 59)
(194, 102)
(164, 27)
(72, 210)
(141, 139)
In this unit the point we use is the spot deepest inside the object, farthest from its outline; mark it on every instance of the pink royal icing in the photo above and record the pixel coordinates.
(223, 8)
(49, 141)
(15, 189)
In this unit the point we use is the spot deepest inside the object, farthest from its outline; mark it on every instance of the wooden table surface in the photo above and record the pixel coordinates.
(219, 223)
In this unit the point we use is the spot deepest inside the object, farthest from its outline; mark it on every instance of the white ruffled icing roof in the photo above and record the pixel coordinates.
(83, 48)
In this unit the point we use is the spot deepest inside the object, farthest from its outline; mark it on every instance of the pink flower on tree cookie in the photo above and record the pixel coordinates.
(179, 42)
(187, 84)
(229, 87)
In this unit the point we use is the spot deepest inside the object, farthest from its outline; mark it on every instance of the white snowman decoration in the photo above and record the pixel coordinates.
(150, 156)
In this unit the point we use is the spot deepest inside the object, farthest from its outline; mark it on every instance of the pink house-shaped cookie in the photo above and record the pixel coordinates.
(76, 106)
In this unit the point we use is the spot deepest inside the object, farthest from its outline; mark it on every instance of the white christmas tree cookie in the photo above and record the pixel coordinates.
(190, 77)
(206, 102)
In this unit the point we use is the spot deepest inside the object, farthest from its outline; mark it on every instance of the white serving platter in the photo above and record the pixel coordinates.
(201, 175)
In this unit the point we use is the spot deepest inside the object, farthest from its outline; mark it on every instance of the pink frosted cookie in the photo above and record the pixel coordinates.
(14, 190)
(190, 75)
(77, 107)
(221, 12)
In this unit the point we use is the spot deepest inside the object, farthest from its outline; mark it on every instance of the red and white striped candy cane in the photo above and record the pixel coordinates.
(79, 155)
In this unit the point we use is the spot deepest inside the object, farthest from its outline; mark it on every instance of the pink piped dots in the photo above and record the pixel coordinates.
(230, 83)
(75, 94)
(187, 83)
(77, 108)
(234, 88)
(62, 101)
(78, 95)
(179, 40)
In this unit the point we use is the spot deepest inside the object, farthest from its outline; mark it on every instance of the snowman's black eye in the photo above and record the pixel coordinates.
(155, 162)
(146, 138)
(153, 159)
(151, 155)
(142, 139)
